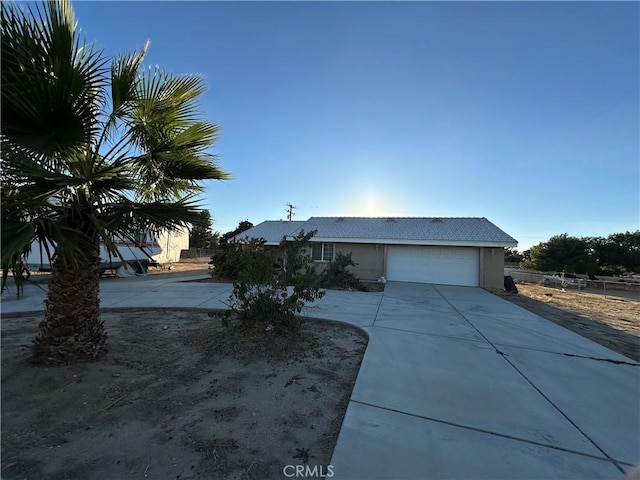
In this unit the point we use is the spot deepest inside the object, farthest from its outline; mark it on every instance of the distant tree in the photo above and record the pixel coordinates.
(215, 240)
(242, 227)
(618, 253)
(561, 252)
(200, 235)
(512, 255)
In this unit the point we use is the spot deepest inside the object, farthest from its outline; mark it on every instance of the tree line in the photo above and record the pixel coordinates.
(202, 235)
(617, 254)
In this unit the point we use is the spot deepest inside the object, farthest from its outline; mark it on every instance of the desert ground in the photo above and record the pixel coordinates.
(178, 396)
(196, 266)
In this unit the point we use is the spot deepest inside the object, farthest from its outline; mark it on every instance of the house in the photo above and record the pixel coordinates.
(449, 251)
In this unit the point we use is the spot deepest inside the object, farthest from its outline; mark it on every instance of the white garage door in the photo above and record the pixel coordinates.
(443, 265)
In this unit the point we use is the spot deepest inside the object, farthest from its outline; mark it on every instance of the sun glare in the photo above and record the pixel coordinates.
(373, 203)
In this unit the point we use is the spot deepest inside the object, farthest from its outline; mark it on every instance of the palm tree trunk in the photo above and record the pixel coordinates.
(72, 330)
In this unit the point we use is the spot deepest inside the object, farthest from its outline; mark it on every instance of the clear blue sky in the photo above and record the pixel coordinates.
(524, 113)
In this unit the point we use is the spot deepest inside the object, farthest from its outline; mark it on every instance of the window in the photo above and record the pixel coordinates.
(322, 252)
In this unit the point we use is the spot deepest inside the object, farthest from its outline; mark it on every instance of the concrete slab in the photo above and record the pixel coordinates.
(380, 444)
(414, 292)
(508, 324)
(492, 308)
(601, 398)
(32, 300)
(434, 316)
(459, 381)
(453, 292)
(356, 308)
(350, 300)
(218, 299)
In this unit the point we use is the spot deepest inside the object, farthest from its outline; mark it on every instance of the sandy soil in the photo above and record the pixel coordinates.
(611, 321)
(197, 266)
(177, 396)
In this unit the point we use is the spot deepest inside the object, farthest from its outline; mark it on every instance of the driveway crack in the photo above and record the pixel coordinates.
(495, 433)
(533, 385)
(615, 362)
(375, 319)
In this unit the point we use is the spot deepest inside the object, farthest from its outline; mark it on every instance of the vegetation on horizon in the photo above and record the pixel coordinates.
(617, 254)
(201, 235)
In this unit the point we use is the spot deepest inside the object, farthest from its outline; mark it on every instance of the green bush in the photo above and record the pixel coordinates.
(337, 276)
(229, 262)
(272, 296)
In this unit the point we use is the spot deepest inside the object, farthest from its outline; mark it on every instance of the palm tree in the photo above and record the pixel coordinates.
(91, 150)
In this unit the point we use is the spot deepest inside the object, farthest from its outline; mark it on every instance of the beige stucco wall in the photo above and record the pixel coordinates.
(370, 260)
(492, 267)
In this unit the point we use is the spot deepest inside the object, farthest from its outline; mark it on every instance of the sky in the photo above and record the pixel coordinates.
(526, 113)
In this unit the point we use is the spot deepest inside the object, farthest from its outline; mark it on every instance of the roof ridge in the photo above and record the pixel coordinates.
(396, 217)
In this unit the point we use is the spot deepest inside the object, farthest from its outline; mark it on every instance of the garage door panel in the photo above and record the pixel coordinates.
(443, 265)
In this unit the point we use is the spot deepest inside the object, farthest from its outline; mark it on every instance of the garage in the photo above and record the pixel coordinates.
(440, 250)
(434, 264)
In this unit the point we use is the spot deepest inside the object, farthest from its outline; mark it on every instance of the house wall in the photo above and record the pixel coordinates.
(492, 267)
(370, 259)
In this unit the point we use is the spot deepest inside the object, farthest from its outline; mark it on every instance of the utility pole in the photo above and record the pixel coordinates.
(289, 210)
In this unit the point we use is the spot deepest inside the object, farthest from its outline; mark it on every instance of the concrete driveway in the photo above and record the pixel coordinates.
(455, 383)
(459, 383)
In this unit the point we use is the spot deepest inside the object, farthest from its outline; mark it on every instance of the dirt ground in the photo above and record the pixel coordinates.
(178, 396)
(196, 266)
(610, 321)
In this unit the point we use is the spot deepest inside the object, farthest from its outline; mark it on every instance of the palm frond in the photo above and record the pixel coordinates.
(52, 82)
(126, 215)
(164, 125)
(165, 106)
(125, 78)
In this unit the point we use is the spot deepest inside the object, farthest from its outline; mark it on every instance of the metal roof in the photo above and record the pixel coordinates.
(273, 231)
(387, 230)
(410, 231)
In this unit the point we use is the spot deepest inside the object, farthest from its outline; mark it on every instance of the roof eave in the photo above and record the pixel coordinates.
(392, 241)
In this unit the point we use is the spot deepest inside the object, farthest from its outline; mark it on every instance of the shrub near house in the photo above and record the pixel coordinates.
(229, 261)
(336, 274)
(262, 296)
